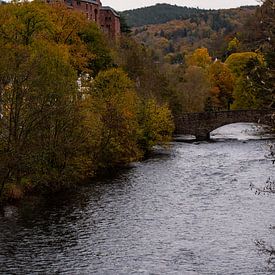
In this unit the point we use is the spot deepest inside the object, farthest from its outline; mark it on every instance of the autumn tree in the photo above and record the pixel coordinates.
(65, 111)
(259, 31)
(222, 85)
(151, 80)
(114, 101)
(42, 52)
(130, 126)
(156, 124)
(199, 58)
(236, 62)
(253, 88)
(193, 89)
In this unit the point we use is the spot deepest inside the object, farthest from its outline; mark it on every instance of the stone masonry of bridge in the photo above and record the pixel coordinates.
(201, 124)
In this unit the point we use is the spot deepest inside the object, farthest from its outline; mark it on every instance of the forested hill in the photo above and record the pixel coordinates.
(162, 13)
(212, 29)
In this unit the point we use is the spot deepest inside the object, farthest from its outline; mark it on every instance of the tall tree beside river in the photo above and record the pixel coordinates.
(52, 133)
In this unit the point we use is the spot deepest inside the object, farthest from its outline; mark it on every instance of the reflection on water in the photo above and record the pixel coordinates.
(186, 211)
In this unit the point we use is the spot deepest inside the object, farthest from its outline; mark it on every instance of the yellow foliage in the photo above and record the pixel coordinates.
(156, 124)
(233, 45)
(237, 61)
(199, 58)
(114, 103)
(222, 84)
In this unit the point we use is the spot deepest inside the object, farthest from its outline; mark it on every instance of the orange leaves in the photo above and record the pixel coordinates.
(222, 83)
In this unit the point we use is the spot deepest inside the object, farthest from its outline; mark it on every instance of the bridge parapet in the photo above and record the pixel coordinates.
(201, 124)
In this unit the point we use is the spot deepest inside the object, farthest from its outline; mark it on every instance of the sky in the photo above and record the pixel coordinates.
(121, 5)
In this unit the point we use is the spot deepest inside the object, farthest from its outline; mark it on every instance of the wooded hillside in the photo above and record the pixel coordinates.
(162, 13)
(189, 30)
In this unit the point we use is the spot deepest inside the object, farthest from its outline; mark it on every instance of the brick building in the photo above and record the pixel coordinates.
(105, 17)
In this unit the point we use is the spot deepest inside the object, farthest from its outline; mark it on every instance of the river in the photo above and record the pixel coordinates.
(186, 210)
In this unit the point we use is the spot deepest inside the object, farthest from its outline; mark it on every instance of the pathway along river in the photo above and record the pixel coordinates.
(187, 211)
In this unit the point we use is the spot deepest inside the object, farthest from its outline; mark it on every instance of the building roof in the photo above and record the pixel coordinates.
(110, 9)
(91, 2)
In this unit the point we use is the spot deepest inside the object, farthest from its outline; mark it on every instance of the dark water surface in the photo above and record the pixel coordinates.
(187, 211)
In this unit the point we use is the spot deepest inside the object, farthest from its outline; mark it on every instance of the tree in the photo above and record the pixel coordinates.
(41, 52)
(200, 58)
(194, 89)
(156, 124)
(38, 115)
(54, 132)
(100, 57)
(233, 45)
(260, 37)
(114, 100)
(222, 85)
(236, 62)
(124, 27)
(259, 32)
(252, 87)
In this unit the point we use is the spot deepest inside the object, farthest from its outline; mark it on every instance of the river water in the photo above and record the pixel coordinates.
(186, 210)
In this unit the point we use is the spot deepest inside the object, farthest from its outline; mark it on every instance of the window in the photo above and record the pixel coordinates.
(96, 13)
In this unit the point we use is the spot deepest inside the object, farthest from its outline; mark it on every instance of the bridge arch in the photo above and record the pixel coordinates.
(201, 124)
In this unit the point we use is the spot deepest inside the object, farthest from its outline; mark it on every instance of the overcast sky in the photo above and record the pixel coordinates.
(121, 5)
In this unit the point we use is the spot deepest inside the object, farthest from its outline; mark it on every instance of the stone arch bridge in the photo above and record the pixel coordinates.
(201, 124)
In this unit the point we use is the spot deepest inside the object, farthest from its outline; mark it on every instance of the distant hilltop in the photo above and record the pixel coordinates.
(162, 13)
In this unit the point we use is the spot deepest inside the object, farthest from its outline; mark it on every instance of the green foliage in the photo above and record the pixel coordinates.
(156, 124)
(138, 62)
(124, 27)
(53, 132)
(96, 44)
(114, 101)
(237, 61)
(38, 115)
(233, 45)
(193, 89)
(254, 87)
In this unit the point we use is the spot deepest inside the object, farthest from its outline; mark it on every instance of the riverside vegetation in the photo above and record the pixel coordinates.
(73, 103)
(68, 109)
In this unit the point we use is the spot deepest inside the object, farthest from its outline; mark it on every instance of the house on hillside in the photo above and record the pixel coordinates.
(105, 17)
